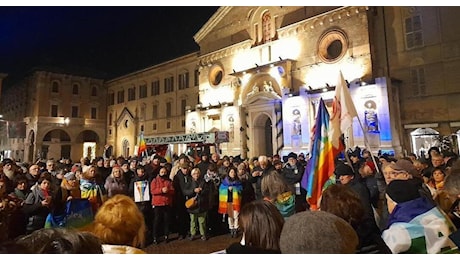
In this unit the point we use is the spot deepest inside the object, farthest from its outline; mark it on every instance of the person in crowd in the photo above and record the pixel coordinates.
(203, 165)
(90, 189)
(452, 189)
(415, 224)
(346, 176)
(38, 204)
(162, 190)
(139, 190)
(120, 225)
(258, 173)
(278, 165)
(277, 191)
(128, 174)
(215, 224)
(223, 169)
(69, 189)
(356, 160)
(9, 172)
(367, 170)
(200, 190)
(115, 183)
(248, 193)
(51, 167)
(230, 194)
(292, 173)
(102, 172)
(60, 241)
(33, 175)
(261, 224)
(56, 179)
(177, 165)
(215, 158)
(343, 202)
(182, 183)
(21, 189)
(13, 221)
(317, 232)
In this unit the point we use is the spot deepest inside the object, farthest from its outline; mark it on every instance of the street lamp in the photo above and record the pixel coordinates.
(66, 121)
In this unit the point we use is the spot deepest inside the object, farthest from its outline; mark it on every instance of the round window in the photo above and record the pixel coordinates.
(332, 46)
(216, 74)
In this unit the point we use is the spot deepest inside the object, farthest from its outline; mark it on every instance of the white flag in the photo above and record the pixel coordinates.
(343, 111)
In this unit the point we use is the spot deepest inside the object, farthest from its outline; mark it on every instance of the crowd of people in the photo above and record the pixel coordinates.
(380, 204)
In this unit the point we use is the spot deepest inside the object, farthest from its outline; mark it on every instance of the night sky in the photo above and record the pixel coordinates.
(112, 40)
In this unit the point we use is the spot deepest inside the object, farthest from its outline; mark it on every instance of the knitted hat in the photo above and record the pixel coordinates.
(343, 169)
(371, 165)
(292, 155)
(317, 232)
(403, 190)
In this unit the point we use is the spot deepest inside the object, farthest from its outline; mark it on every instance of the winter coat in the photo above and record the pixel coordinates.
(202, 197)
(34, 209)
(115, 186)
(160, 198)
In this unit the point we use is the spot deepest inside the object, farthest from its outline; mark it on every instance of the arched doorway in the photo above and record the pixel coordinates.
(56, 144)
(263, 135)
(88, 141)
(423, 139)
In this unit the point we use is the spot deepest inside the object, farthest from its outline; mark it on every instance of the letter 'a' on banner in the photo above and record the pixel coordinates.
(16, 129)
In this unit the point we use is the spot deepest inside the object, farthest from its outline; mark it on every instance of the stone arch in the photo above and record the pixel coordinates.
(258, 80)
(262, 127)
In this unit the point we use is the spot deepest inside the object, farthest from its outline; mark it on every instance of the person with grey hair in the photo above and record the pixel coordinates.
(317, 232)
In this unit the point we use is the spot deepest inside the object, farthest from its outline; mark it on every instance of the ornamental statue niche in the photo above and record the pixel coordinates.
(296, 123)
(370, 117)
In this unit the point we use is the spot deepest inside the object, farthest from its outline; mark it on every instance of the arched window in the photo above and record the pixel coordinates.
(266, 27)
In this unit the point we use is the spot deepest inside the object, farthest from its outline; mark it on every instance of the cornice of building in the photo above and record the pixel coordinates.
(320, 20)
(211, 23)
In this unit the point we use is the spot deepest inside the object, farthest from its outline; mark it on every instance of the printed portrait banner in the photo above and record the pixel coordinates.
(16, 129)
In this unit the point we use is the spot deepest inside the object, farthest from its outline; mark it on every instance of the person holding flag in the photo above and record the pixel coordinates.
(142, 146)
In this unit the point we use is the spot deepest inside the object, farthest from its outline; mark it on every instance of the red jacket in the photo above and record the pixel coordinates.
(160, 198)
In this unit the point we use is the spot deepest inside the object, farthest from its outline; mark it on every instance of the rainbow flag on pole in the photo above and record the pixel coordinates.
(319, 173)
(142, 146)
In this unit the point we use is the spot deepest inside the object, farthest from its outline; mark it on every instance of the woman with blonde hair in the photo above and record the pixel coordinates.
(276, 190)
(120, 225)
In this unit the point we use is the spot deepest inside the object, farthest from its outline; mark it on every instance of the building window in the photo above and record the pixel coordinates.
(168, 109)
(168, 125)
(143, 91)
(74, 111)
(54, 110)
(55, 87)
(120, 96)
(94, 91)
(183, 104)
(196, 79)
(110, 131)
(183, 122)
(414, 35)
(266, 27)
(111, 99)
(132, 94)
(110, 119)
(418, 82)
(169, 84)
(93, 113)
(183, 80)
(75, 89)
(155, 88)
(154, 127)
(154, 111)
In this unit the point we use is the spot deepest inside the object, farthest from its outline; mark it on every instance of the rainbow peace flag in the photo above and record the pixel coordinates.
(319, 173)
(142, 146)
